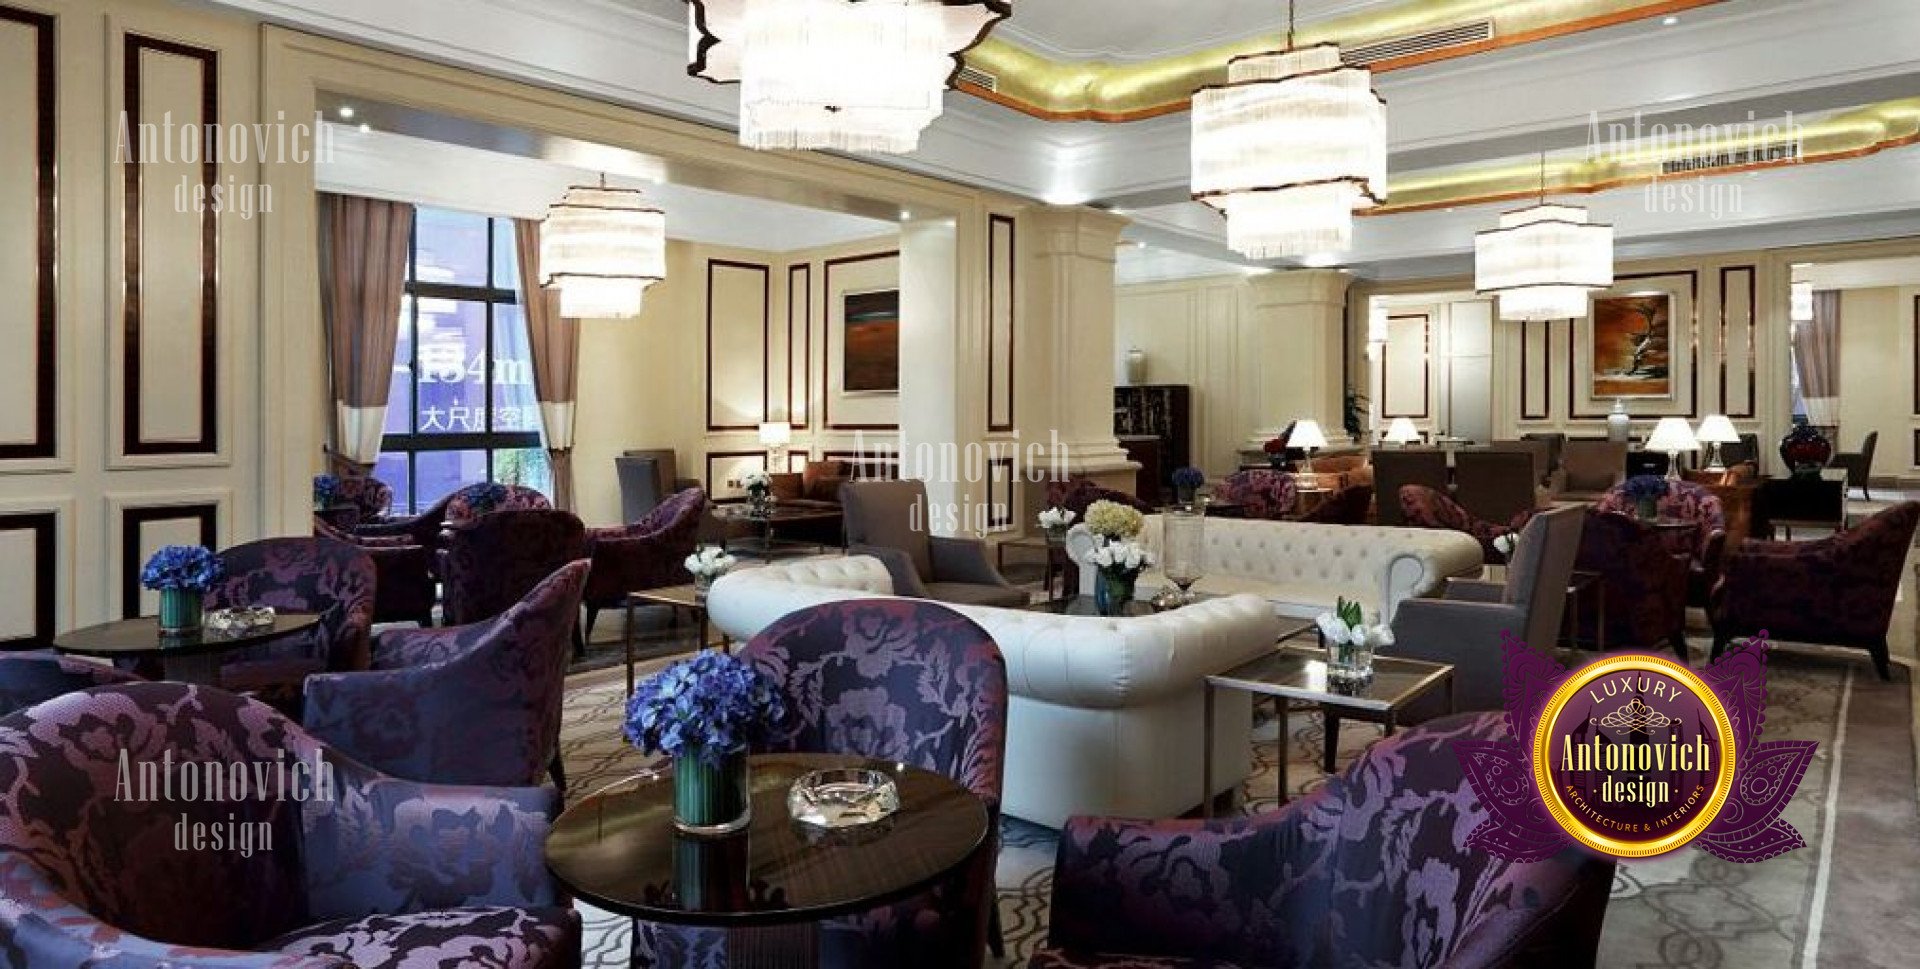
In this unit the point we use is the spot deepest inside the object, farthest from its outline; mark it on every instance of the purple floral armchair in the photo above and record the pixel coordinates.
(341, 867)
(1643, 581)
(1261, 493)
(404, 588)
(648, 554)
(475, 704)
(1366, 871)
(1704, 545)
(898, 680)
(1348, 506)
(476, 501)
(359, 499)
(1838, 591)
(318, 575)
(30, 678)
(422, 529)
(1078, 494)
(1423, 507)
(494, 561)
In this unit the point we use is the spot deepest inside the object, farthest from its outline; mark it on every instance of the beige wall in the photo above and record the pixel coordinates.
(1194, 332)
(1877, 374)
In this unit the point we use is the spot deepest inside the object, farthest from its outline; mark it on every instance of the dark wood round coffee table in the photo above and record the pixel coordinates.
(619, 850)
(191, 658)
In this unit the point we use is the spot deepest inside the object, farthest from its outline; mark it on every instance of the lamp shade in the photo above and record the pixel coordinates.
(1402, 431)
(1307, 436)
(601, 248)
(776, 434)
(1288, 148)
(1717, 429)
(1672, 434)
(1542, 261)
(847, 75)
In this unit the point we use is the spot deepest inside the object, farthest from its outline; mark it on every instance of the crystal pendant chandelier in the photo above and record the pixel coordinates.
(601, 248)
(846, 75)
(1288, 148)
(1543, 260)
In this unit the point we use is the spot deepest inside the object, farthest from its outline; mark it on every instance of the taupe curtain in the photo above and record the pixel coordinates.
(1816, 355)
(555, 343)
(363, 275)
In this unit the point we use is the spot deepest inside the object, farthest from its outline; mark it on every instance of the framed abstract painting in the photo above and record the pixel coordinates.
(871, 351)
(1631, 354)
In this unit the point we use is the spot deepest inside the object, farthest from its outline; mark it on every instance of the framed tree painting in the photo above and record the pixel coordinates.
(1631, 354)
(871, 349)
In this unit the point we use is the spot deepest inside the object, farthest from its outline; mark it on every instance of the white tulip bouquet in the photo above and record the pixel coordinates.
(1351, 642)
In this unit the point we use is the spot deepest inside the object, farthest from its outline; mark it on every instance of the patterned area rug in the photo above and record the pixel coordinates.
(1687, 910)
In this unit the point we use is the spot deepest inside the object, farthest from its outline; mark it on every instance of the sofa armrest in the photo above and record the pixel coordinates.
(963, 560)
(1129, 887)
(906, 581)
(386, 845)
(1474, 590)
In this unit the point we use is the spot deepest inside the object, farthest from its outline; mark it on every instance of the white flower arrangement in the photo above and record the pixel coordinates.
(1113, 521)
(1124, 558)
(1505, 544)
(1341, 634)
(756, 481)
(710, 562)
(1056, 519)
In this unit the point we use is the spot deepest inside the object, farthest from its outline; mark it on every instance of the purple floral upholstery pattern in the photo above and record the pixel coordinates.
(648, 554)
(1839, 591)
(318, 575)
(476, 501)
(1076, 494)
(1684, 501)
(1644, 584)
(422, 529)
(898, 680)
(30, 678)
(403, 588)
(1261, 493)
(493, 561)
(370, 498)
(475, 704)
(1424, 507)
(1348, 506)
(1367, 871)
(91, 878)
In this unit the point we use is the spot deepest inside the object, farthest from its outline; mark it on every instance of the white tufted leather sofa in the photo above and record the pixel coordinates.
(1302, 568)
(1104, 716)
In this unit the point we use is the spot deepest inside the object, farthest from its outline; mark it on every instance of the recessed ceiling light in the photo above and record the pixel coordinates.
(346, 111)
(906, 214)
(1670, 21)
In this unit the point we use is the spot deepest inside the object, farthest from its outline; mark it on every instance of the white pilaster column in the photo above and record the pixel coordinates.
(1073, 296)
(1298, 321)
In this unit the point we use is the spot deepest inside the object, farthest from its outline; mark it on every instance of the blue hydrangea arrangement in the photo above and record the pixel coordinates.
(705, 708)
(1645, 487)
(186, 568)
(1189, 478)
(326, 488)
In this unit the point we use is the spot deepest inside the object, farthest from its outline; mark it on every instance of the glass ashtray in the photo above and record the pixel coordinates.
(843, 798)
(236, 622)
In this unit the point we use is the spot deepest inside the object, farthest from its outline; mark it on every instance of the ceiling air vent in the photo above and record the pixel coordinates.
(1412, 45)
(976, 77)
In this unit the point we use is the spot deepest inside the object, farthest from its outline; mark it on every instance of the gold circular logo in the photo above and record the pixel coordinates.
(1634, 756)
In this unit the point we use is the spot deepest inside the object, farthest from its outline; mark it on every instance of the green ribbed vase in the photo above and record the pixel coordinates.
(711, 801)
(179, 611)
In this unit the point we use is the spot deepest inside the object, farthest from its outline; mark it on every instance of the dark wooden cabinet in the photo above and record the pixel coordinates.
(1163, 411)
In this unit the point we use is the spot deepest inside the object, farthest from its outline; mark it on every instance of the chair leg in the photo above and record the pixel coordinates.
(579, 643)
(1331, 751)
(1719, 643)
(593, 616)
(996, 939)
(1880, 662)
(557, 770)
(1680, 646)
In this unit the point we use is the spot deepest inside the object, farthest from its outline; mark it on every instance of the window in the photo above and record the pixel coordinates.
(462, 407)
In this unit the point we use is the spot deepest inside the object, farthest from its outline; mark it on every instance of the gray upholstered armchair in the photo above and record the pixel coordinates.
(888, 520)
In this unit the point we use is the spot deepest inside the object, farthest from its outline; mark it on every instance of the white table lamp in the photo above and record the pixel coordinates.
(1402, 432)
(1672, 435)
(1307, 437)
(1714, 431)
(775, 436)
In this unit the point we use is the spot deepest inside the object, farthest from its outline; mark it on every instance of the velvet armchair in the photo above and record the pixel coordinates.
(317, 575)
(1703, 546)
(423, 529)
(477, 704)
(1348, 506)
(1260, 493)
(493, 561)
(404, 589)
(1838, 591)
(1644, 582)
(889, 521)
(36, 677)
(648, 554)
(347, 867)
(476, 501)
(1077, 494)
(1396, 468)
(1423, 507)
(1366, 871)
(902, 681)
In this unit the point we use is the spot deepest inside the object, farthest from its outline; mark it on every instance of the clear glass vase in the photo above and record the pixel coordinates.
(1183, 541)
(1113, 591)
